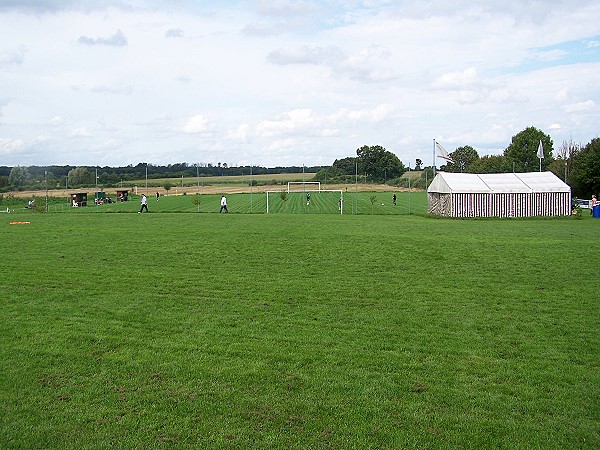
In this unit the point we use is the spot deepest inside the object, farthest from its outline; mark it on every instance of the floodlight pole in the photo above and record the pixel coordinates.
(96, 195)
(355, 209)
(251, 188)
(409, 188)
(46, 178)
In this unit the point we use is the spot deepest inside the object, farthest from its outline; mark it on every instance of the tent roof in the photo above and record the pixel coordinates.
(497, 183)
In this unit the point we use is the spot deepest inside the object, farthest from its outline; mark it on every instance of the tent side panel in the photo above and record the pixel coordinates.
(439, 204)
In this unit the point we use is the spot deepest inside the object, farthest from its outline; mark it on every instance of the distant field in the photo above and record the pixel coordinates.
(186, 330)
(213, 185)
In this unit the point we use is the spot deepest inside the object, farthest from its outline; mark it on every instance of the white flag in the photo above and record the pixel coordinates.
(540, 153)
(442, 153)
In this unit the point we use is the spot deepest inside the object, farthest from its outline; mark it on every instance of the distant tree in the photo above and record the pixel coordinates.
(584, 176)
(379, 163)
(18, 176)
(80, 176)
(426, 178)
(462, 158)
(346, 166)
(523, 149)
(418, 164)
(490, 164)
(167, 186)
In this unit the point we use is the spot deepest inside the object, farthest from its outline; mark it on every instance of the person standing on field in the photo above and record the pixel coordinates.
(157, 196)
(593, 203)
(223, 204)
(394, 199)
(144, 202)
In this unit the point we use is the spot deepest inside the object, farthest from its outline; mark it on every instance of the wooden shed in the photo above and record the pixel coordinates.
(79, 199)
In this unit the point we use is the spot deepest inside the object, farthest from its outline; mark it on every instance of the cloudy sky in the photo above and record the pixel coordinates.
(286, 82)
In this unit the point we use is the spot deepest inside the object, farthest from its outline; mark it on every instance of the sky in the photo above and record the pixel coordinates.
(283, 82)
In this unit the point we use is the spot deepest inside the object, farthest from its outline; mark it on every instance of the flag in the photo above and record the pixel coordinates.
(540, 153)
(442, 153)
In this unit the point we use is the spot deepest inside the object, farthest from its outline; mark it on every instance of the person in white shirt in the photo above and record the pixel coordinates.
(223, 205)
(144, 202)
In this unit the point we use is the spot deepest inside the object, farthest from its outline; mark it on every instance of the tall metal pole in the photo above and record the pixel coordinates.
(303, 186)
(434, 157)
(96, 195)
(408, 188)
(146, 178)
(46, 178)
(251, 183)
(355, 209)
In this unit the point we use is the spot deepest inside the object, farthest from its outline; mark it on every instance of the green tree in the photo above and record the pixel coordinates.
(418, 164)
(346, 166)
(522, 151)
(80, 176)
(490, 164)
(378, 163)
(18, 176)
(463, 157)
(584, 176)
(167, 186)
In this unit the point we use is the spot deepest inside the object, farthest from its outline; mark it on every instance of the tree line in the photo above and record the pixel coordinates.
(578, 165)
(38, 177)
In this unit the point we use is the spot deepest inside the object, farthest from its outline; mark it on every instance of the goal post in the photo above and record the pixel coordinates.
(303, 186)
(309, 201)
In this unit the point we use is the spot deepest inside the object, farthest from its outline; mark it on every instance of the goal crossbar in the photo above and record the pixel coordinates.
(319, 190)
(303, 184)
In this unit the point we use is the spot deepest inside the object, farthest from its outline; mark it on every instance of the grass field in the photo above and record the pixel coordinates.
(373, 203)
(262, 331)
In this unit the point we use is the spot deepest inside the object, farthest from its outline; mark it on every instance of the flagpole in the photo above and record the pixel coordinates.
(434, 157)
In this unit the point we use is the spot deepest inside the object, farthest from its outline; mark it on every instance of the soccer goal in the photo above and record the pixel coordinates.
(308, 201)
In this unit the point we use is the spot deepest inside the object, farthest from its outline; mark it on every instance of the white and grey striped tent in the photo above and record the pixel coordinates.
(498, 195)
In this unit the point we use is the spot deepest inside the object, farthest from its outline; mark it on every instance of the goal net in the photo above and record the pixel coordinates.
(305, 201)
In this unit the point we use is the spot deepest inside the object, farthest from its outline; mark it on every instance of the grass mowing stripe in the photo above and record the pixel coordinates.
(256, 331)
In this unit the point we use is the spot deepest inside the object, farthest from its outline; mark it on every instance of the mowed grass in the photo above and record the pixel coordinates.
(372, 203)
(297, 331)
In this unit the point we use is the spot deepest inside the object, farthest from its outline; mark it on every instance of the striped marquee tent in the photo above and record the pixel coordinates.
(498, 195)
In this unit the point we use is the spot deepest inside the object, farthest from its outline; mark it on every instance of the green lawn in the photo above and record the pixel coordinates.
(297, 330)
(372, 203)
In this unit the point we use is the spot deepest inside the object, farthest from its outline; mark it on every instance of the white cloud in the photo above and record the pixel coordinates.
(240, 134)
(174, 33)
(196, 124)
(12, 57)
(56, 121)
(588, 105)
(80, 133)
(377, 114)
(292, 122)
(117, 40)
(10, 146)
(456, 80)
